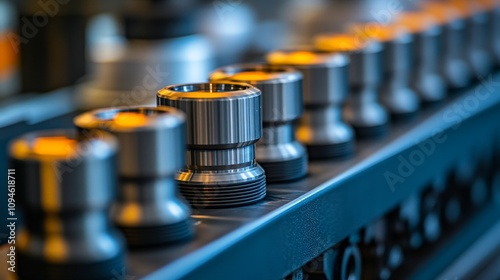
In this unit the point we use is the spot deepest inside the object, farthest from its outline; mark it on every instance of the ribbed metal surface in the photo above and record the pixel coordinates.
(204, 159)
(223, 124)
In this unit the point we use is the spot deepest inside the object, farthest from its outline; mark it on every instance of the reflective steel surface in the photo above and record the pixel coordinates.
(68, 185)
(428, 80)
(325, 89)
(152, 149)
(278, 152)
(363, 109)
(455, 67)
(224, 122)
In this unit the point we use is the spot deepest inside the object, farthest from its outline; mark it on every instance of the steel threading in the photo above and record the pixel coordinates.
(223, 122)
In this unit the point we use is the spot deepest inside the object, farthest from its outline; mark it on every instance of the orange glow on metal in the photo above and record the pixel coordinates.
(467, 8)
(489, 4)
(416, 21)
(130, 119)
(374, 30)
(304, 134)
(254, 76)
(339, 42)
(294, 57)
(54, 146)
(441, 12)
(130, 214)
(10, 59)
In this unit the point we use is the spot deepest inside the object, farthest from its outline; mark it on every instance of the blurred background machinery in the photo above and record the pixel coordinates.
(395, 103)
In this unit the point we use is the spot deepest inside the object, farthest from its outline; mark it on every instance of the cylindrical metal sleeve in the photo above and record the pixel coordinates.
(366, 65)
(325, 75)
(78, 175)
(325, 85)
(152, 140)
(66, 188)
(281, 88)
(221, 115)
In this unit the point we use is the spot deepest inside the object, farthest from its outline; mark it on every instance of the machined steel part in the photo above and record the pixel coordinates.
(454, 63)
(479, 53)
(66, 186)
(325, 88)
(397, 94)
(363, 109)
(278, 152)
(428, 79)
(152, 148)
(224, 122)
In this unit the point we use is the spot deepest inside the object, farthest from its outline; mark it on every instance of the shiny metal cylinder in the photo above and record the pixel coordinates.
(478, 25)
(278, 152)
(152, 148)
(397, 95)
(454, 63)
(428, 79)
(363, 109)
(224, 122)
(65, 186)
(481, 58)
(325, 88)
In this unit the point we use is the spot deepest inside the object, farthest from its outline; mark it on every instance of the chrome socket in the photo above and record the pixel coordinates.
(397, 95)
(278, 152)
(428, 79)
(224, 122)
(454, 64)
(363, 109)
(325, 88)
(65, 188)
(152, 148)
(478, 22)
